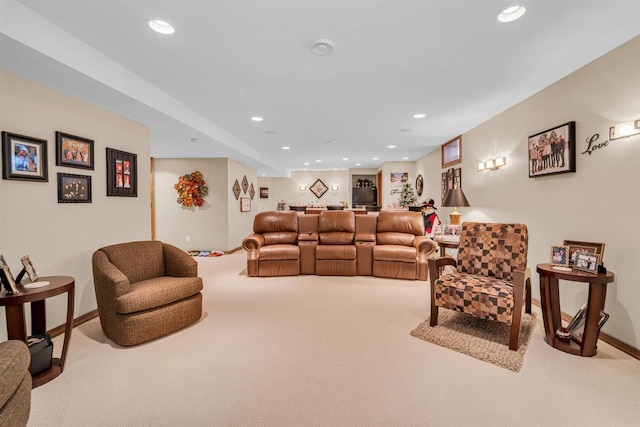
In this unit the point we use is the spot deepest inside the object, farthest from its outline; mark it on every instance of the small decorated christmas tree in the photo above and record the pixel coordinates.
(407, 196)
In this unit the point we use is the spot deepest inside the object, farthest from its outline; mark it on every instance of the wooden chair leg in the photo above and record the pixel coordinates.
(433, 321)
(527, 307)
(515, 330)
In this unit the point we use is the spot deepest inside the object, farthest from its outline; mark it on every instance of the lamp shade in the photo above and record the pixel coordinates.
(455, 198)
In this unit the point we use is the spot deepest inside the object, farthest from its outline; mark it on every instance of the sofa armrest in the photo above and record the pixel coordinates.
(14, 367)
(253, 242)
(424, 245)
(308, 237)
(365, 237)
(177, 263)
(108, 279)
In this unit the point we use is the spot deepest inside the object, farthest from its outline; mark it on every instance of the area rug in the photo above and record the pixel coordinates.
(483, 339)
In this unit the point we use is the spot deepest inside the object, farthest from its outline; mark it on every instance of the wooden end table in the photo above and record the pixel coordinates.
(550, 304)
(444, 245)
(16, 327)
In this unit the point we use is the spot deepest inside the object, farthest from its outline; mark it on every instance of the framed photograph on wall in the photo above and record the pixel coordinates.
(74, 188)
(74, 151)
(24, 158)
(553, 151)
(264, 192)
(452, 152)
(122, 173)
(245, 204)
(419, 185)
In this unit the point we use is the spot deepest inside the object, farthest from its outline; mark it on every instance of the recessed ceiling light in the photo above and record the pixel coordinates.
(321, 47)
(306, 163)
(318, 161)
(419, 116)
(374, 158)
(331, 141)
(160, 26)
(511, 13)
(264, 174)
(286, 148)
(405, 158)
(345, 158)
(391, 146)
(257, 119)
(358, 164)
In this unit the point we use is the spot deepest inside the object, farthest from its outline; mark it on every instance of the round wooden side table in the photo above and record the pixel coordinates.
(444, 245)
(550, 304)
(16, 326)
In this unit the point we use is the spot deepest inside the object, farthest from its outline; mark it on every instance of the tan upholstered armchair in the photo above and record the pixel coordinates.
(492, 280)
(272, 249)
(402, 249)
(15, 387)
(145, 290)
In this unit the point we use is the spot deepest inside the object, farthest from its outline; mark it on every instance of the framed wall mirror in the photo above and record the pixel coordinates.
(452, 152)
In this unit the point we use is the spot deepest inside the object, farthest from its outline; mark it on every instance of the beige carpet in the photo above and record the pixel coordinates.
(322, 351)
(482, 339)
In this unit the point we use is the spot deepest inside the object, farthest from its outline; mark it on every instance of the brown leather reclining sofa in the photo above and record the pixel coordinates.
(339, 243)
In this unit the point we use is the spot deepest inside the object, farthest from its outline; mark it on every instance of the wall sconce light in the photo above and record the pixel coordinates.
(302, 188)
(334, 188)
(624, 129)
(492, 164)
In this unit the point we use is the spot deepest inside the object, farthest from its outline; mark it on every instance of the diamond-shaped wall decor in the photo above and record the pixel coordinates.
(318, 188)
(236, 189)
(245, 184)
(252, 191)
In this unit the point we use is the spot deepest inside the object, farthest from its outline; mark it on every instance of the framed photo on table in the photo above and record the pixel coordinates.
(28, 268)
(24, 158)
(6, 277)
(587, 262)
(122, 173)
(559, 256)
(74, 151)
(576, 247)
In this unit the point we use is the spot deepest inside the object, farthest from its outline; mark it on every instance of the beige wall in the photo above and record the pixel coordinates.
(388, 168)
(61, 238)
(600, 202)
(218, 224)
(287, 189)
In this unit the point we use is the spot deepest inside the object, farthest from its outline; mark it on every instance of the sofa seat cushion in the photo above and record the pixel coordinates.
(154, 293)
(279, 252)
(394, 253)
(483, 297)
(347, 252)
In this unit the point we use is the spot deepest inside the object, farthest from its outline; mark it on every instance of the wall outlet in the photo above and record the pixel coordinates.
(187, 238)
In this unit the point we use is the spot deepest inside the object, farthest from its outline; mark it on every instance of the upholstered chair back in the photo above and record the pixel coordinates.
(399, 228)
(492, 249)
(138, 261)
(337, 227)
(277, 227)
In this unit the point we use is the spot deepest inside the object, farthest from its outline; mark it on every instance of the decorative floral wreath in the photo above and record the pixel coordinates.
(191, 189)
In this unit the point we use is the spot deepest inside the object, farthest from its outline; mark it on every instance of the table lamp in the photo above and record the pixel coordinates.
(454, 198)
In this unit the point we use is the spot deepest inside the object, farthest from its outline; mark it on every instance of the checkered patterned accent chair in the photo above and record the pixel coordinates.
(491, 280)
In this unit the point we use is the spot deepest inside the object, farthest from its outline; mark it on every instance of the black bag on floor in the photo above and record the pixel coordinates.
(41, 349)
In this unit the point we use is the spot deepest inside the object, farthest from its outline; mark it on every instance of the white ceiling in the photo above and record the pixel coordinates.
(230, 60)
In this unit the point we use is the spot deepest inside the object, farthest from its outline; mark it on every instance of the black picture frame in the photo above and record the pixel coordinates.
(543, 157)
(122, 173)
(264, 192)
(24, 158)
(74, 188)
(74, 151)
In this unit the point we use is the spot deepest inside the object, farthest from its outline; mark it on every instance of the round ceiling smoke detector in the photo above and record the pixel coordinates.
(321, 47)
